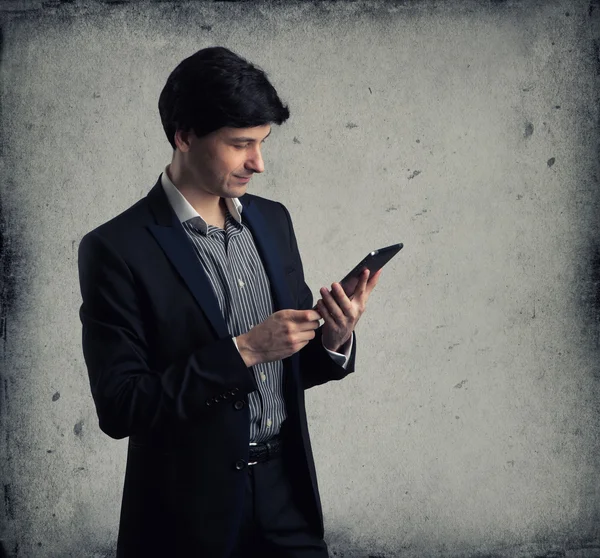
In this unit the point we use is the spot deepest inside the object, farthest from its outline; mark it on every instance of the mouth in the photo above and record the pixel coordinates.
(243, 179)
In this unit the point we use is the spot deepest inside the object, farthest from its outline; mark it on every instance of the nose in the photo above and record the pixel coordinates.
(255, 161)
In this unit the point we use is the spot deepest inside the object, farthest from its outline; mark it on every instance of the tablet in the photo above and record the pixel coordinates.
(373, 261)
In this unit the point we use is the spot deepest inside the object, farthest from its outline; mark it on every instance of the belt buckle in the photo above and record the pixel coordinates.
(253, 462)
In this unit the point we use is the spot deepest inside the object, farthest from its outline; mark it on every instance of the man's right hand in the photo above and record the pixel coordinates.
(281, 335)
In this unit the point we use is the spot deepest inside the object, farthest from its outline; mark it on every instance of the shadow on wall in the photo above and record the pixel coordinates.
(594, 302)
(341, 547)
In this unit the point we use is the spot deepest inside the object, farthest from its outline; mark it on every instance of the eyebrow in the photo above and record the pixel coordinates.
(240, 139)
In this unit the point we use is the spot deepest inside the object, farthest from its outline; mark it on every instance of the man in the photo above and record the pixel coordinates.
(200, 336)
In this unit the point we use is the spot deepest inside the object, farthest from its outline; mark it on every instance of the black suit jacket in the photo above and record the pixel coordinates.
(165, 372)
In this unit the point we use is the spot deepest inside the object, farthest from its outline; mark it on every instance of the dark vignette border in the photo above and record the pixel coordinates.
(592, 294)
(589, 270)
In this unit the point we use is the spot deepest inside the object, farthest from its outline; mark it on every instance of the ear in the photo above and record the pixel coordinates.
(183, 140)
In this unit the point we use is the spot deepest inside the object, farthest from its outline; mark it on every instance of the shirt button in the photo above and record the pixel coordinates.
(263, 377)
(269, 422)
(241, 283)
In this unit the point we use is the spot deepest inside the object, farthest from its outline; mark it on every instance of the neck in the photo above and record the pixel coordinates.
(210, 207)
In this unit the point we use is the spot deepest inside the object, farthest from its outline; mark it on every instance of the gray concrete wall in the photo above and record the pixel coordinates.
(468, 131)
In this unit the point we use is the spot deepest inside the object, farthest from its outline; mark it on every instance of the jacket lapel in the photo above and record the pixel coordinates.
(174, 241)
(267, 248)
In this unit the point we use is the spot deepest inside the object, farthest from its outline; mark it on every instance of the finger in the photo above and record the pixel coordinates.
(342, 299)
(373, 280)
(300, 345)
(326, 316)
(350, 285)
(304, 336)
(360, 282)
(300, 316)
(308, 326)
(311, 315)
(303, 320)
(332, 306)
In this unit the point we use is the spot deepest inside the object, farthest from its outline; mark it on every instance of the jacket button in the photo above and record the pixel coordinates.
(239, 465)
(238, 405)
(209, 402)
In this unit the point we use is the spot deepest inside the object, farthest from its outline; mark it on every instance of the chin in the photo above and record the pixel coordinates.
(237, 190)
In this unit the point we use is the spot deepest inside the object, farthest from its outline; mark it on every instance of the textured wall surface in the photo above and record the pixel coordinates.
(466, 130)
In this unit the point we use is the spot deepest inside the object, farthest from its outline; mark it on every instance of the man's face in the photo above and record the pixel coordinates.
(223, 162)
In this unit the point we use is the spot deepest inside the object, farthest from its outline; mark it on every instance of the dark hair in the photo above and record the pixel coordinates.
(214, 88)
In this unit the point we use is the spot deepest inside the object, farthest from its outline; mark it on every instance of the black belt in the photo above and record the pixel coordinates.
(264, 451)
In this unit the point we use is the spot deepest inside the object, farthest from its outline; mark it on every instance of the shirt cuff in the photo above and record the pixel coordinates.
(342, 358)
(235, 343)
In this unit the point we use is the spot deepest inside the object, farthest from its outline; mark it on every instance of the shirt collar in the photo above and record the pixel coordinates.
(184, 210)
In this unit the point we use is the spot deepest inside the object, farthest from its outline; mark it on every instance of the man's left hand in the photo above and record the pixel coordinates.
(341, 314)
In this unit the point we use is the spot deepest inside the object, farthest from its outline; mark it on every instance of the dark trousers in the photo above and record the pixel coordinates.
(273, 525)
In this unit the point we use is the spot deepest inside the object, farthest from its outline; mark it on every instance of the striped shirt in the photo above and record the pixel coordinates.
(236, 273)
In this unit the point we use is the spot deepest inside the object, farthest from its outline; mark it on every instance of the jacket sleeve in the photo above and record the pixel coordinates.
(316, 365)
(131, 397)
